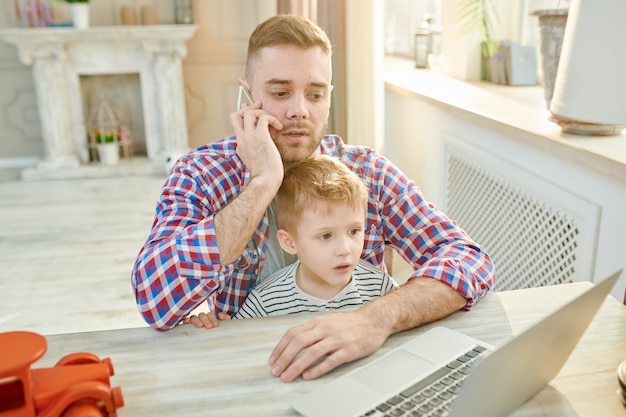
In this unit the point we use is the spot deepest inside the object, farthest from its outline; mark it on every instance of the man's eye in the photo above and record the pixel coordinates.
(316, 96)
(280, 94)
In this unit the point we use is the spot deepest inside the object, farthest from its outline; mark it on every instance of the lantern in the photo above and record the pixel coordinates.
(427, 44)
(421, 46)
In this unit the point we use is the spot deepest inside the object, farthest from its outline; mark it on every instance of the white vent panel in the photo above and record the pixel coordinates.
(536, 233)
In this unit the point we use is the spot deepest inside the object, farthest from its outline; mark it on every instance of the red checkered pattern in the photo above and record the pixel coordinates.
(179, 266)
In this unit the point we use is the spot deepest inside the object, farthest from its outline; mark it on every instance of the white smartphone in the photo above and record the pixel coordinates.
(243, 97)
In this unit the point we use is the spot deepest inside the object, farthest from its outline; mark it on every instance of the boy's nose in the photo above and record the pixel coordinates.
(343, 248)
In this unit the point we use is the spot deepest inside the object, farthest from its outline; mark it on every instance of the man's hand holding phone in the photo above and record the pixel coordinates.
(255, 146)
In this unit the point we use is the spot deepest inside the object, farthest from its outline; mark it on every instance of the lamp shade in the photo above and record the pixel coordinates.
(590, 85)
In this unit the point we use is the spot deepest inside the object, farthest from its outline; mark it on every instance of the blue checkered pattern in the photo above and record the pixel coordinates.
(179, 266)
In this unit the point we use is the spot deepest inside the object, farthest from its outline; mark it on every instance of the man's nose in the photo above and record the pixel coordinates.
(297, 107)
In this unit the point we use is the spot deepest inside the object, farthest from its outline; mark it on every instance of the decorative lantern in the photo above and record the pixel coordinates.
(103, 133)
(427, 44)
(422, 43)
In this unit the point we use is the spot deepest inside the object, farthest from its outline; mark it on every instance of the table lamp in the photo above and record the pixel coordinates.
(590, 87)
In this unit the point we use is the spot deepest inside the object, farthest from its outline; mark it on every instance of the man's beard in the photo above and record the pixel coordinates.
(291, 154)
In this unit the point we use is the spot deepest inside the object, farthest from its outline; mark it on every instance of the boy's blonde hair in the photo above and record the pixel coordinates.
(289, 30)
(315, 183)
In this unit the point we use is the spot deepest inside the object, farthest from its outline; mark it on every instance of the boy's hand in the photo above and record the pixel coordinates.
(208, 321)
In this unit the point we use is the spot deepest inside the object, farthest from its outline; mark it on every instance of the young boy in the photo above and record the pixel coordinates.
(321, 207)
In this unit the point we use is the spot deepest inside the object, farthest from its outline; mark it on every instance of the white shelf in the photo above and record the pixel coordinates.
(520, 112)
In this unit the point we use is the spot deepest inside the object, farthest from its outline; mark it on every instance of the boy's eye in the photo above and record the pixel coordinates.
(325, 236)
(354, 231)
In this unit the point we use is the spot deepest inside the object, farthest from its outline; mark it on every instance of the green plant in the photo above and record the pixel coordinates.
(106, 138)
(481, 15)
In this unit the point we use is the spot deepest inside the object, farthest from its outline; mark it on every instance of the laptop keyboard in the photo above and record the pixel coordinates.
(433, 395)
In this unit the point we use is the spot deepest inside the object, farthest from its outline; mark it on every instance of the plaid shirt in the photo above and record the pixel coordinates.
(179, 266)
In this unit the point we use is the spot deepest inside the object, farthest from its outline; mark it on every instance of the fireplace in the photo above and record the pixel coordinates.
(122, 93)
(61, 57)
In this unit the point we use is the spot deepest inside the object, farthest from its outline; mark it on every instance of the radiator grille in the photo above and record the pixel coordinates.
(532, 243)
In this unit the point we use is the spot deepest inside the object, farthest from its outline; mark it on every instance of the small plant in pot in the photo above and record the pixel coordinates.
(107, 146)
(481, 15)
(104, 133)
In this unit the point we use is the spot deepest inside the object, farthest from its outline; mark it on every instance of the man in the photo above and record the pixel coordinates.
(213, 238)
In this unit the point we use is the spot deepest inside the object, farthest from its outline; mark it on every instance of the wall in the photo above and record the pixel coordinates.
(215, 60)
(20, 133)
(364, 65)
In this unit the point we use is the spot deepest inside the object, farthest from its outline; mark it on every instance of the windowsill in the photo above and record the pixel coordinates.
(520, 110)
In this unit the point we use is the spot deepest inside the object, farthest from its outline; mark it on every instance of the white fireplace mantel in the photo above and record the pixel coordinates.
(59, 56)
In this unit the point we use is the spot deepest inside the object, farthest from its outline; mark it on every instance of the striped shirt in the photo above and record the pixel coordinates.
(179, 267)
(280, 294)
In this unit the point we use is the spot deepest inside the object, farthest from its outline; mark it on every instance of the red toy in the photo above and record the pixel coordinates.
(77, 386)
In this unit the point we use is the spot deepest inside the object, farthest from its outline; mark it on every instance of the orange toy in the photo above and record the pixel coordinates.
(77, 386)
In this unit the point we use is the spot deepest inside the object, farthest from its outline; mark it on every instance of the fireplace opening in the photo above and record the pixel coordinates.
(109, 100)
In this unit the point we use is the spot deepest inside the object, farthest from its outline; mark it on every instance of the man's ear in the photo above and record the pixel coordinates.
(286, 242)
(243, 82)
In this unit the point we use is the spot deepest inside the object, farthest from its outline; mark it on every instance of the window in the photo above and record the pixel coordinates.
(516, 22)
(402, 18)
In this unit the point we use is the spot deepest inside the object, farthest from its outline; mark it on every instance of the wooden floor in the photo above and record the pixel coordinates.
(67, 249)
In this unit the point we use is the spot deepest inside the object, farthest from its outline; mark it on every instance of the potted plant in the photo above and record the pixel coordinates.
(104, 133)
(481, 15)
(80, 13)
(107, 146)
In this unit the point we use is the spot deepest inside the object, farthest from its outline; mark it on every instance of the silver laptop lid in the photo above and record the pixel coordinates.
(498, 384)
(520, 368)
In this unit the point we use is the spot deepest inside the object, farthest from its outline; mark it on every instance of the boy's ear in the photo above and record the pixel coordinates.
(286, 242)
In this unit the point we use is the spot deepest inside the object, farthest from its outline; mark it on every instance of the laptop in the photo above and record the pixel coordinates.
(444, 372)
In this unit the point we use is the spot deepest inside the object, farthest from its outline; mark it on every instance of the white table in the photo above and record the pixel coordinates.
(223, 372)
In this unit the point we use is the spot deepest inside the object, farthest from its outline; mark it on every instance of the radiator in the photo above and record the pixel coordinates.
(536, 233)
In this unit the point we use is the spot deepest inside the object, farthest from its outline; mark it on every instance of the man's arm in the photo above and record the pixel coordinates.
(238, 220)
(182, 263)
(345, 337)
(195, 237)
